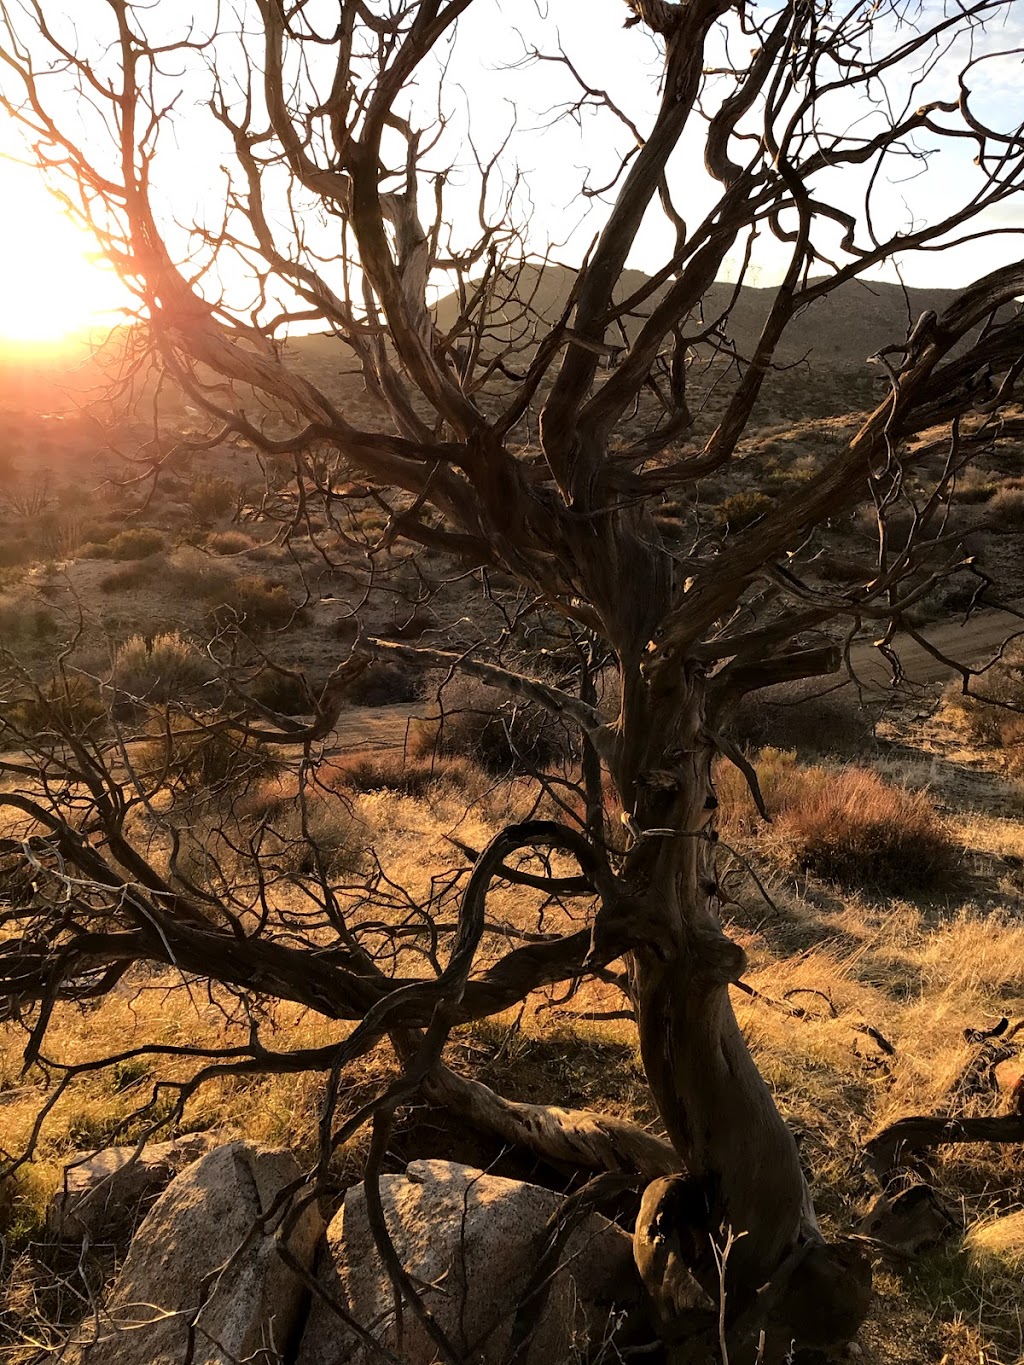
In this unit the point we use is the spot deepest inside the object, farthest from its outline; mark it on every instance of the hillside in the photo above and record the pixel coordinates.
(838, 331)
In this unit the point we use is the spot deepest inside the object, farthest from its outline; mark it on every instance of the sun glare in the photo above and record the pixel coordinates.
(51, 287)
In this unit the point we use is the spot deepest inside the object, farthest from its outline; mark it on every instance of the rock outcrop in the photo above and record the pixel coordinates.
(100, 1196)
(201, 1267)
(470, 1242)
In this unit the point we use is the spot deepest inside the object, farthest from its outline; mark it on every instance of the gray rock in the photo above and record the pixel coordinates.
(198, 1259)
(100, 1196)
(470, 1241)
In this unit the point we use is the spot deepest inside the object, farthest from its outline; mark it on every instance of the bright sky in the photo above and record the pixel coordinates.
(51, 283)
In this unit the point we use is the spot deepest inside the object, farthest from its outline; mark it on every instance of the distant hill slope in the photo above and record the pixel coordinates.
(839, 331)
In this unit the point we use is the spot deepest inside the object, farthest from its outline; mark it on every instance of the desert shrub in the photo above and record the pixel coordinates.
(211, 498)
(394, 771)
(200, 575)
(94, 549)
(857, 830)
(65, 702)
(129, 577)
(992, 715)
(137, 543)
(810, 717)
(845, 825)
(385, 682)
(971, 491)
(742, 509)
(194, 751)
(229, 543)
(255, 602)
(332, 833)
(286, 693)
(479, 722)
(99, 534)
(158, 668)
(1005, 509)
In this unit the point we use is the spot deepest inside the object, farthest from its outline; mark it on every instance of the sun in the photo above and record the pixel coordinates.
(51, 285)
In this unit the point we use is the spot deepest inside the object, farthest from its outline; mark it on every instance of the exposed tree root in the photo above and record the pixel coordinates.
(578, 1137)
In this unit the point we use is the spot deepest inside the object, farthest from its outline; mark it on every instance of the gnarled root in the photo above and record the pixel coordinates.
(818, 1296)
(577, 1137)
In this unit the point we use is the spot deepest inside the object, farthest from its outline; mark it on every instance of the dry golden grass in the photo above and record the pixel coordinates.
(843, 824)
(919, 974)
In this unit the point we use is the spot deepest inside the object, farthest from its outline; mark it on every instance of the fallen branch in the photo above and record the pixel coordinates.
(884, 1152)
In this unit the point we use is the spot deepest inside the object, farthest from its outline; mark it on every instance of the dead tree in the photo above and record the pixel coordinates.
(333, 118)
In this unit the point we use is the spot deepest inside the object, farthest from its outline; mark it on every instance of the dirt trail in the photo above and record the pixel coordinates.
(385, 727)
(974, 643)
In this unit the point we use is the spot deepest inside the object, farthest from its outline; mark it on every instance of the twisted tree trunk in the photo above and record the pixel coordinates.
(743, 1173)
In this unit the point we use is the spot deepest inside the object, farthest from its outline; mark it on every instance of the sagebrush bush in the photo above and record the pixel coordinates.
(742, 509)
(199, 575)
(158, 668)
(229, 543)
(137, 543)
(857, 830)
(483, 724)
(194, 751)
(1005, 509)
(129, 577)
(995, 716)
(293, 835)
(211, 498)
(254, 602)
(67, 702)
(845, 825)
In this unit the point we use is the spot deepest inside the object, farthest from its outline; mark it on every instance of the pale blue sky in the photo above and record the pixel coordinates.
(484, 92)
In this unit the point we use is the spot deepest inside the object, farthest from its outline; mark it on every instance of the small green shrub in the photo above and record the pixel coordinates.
(158, 668)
